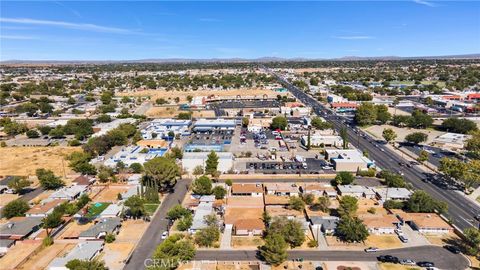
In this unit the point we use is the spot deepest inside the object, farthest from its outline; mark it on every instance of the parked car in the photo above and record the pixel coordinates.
(388, 258)
(477, 217)
(164, 235)
(371, 249)
(407, 262)
(426, 264)
(452, 249)
(403, 238)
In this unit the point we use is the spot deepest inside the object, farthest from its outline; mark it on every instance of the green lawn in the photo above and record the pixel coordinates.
(151, 207)
(95, 209)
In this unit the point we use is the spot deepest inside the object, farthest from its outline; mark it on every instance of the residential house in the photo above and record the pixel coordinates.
(398, 194)
(356, 191)
(318, 189)
(83, 180)
(380, 224)
(248, 227)
(82, 251)
(100, 229)
(430, 223)
(18, 228)
(242, 189)
(69, 193)
(326, 225)
(113, 210)
(44, 209)
(281, 189)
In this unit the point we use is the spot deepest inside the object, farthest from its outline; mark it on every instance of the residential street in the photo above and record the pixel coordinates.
(442, 258)
(152, 236)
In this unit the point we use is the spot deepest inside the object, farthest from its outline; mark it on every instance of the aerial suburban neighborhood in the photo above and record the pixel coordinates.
(238, 163)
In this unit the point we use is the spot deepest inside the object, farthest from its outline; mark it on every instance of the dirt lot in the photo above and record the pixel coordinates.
(295, 265)
(365, 204)
(44, 257)
(174, 111)
(402, 132)
(246, 242)
(73, 229)
(6, 198)
(234, 214)
(383, 241)
(391, 266)
(131, 230)
(115, 254)
(108, 193)
(24, 161)
(18, 253)
(154, 94)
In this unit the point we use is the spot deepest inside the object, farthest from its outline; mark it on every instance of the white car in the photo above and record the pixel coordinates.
(164, 235)
(407, 262)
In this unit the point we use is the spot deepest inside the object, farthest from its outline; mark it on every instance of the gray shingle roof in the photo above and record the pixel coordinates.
(106, 225)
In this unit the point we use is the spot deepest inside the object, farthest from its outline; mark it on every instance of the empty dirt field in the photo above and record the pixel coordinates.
(19, 253)
(42, 259)
(107, 193)
(23, 161)
(154, 94)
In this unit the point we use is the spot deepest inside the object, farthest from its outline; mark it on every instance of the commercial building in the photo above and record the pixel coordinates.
(350, 160)
(191, 160)
(134, 154)
(210, 125)
(319, 140)
(160, 128)
(83, 251)
(425, 222)
(344, 106)
(453, 141)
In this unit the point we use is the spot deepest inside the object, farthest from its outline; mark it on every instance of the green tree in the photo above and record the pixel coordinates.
(274, 251)
(206, 237)
(296, 203)
(419, 119)
(351, 229)
(309, 199)
(202, 185)
(344, 178)
(392, 179)
(423, 156)
(323, 204)
(245, 121)
(466, 172)
(279, 122)
(219, 192)
(136, 206)
(48, 180)
(471, 241)
(366, 114)
(77, 264)
(16, 208)
(136, 167)
(416, 137)
(211, 164)
(383, 116)
(422, 202)
(198, 170)
(32, 133)
(348, 206)
(163, 171)
(318, 123)
(229, 182)
(177, 212)
(458, 125)
(389, 135)
(109, 238)
(104, 118)
(18, 184)
(291, 230)
(52, 221)
(344, 136)
(175, 249)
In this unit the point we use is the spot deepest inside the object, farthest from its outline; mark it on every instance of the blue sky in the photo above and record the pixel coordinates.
(106, 30)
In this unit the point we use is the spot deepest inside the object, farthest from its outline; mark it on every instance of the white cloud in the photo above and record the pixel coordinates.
(15, 37)
(425, 3)
(68, 25)
(354, 37)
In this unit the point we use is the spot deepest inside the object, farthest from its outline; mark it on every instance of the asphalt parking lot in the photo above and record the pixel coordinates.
(309, 166)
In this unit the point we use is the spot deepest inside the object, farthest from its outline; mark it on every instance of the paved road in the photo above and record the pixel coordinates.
(442, 258)
(152, 236)
(461, 209)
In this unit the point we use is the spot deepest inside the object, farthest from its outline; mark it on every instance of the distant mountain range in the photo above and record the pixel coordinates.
(237, 60)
